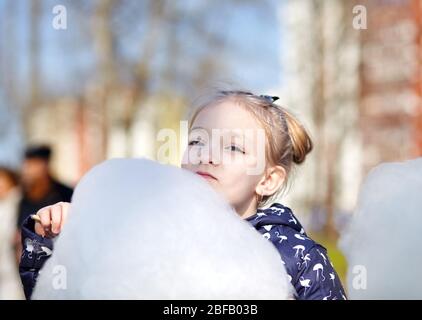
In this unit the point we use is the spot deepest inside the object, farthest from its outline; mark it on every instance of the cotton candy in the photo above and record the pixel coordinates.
(138, 229)
(384, 241)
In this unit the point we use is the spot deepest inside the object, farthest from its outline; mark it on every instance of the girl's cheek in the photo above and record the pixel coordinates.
(190, 157)
(185, 158)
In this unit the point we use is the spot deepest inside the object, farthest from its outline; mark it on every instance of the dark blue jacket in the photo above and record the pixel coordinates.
(306, 262)
(36, 250)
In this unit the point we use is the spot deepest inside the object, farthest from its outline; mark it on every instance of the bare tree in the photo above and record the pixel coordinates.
(34, 53)
(165, 25)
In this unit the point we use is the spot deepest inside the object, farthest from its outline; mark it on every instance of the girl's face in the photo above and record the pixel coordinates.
(226, 146)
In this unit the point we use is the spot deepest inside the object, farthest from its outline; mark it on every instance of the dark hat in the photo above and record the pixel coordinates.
(38, 151)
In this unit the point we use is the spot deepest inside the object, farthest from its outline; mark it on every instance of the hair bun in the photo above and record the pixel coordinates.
(301, 142)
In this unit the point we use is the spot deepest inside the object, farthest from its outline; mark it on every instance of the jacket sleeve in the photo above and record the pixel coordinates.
(36, 251)
(317, 278)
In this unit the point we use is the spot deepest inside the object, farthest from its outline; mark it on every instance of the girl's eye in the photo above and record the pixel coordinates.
(236, 148)
(194, 142)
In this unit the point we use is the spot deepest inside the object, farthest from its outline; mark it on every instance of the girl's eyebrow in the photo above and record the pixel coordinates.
(194, 128)
(233, 133)
(236, 134)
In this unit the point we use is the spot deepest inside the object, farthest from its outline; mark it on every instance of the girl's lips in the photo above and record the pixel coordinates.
(206, 175)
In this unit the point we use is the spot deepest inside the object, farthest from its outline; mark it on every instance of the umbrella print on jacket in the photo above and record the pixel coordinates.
(299, 250)
(300, 237)
(318, 267)
(300, 253)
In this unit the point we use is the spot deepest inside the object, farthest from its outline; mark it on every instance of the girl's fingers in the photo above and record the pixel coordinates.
(56, 218)
(39, 229)
(52, 219)
(65, 211)
(45, 216)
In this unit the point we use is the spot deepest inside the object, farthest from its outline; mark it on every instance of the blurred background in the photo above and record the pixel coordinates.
(98, 79)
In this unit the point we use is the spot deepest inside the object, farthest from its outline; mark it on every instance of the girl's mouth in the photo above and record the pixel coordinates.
(206, 175)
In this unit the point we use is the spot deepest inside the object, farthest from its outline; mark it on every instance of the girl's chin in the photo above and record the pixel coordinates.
(211, 181)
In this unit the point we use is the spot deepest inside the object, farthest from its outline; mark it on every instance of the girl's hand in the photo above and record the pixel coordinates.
(51, 219)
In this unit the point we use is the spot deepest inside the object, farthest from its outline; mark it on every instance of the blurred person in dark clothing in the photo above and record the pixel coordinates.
(39, 188)
(10, 284)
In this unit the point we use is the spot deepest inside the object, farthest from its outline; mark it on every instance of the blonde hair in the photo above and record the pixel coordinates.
(287, 141)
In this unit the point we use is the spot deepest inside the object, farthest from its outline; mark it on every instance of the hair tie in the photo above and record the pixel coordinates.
(270, 99)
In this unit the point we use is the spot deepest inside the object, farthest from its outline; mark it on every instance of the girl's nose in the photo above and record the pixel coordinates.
(207, 155)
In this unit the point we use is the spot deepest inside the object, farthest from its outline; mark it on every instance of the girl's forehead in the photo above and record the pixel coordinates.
(225, 115)
(233, 133)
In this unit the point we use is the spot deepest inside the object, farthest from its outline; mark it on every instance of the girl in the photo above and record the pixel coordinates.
(245, 146)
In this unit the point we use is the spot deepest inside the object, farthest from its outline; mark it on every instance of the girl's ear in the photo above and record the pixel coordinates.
(272, 181)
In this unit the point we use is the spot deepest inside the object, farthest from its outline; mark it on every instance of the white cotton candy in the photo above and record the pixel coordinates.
(141, 230)
(383, 245)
